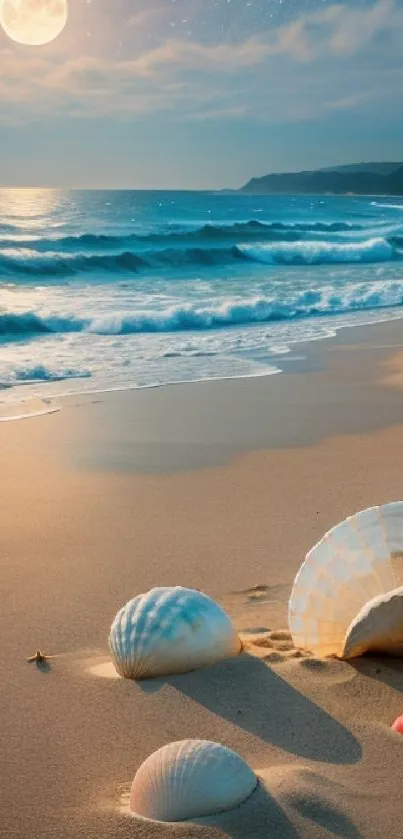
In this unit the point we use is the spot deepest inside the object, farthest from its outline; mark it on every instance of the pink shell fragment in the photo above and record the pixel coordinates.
(398, 725)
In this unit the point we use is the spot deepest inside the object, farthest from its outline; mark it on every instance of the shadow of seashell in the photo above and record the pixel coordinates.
(303, 791)
(259, 815)
(328, 816)
(381, 669)
(272, 709)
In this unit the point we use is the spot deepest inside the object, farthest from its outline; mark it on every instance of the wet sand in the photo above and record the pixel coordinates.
(222, 487)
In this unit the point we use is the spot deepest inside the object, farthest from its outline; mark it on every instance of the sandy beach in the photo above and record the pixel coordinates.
(223, 487)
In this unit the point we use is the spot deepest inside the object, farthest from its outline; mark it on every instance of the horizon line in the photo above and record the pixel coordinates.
(197, 189)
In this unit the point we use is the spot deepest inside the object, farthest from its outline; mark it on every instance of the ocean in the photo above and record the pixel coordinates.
(106, 290)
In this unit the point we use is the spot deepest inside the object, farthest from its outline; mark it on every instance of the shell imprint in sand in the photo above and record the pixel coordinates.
(345, 600)
(168, 631)
(190, 779)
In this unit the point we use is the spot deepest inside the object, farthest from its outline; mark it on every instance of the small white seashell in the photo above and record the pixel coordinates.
(378, 627)
(190, 779)
(170, 630)
(356, 561)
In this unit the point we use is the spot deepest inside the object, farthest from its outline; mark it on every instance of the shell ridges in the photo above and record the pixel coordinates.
(190, 779)
(356, 561)
(170, 630)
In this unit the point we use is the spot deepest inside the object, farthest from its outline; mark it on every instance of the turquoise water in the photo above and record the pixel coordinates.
(104, 290)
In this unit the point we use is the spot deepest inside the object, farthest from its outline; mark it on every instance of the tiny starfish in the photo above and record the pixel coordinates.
(39, 657)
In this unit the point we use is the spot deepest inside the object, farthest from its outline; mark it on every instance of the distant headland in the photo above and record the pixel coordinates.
(354, 178)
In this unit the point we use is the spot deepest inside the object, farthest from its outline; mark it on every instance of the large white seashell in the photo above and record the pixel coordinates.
(190, 779)
(356, 561)
(378, 627)
(170, 630)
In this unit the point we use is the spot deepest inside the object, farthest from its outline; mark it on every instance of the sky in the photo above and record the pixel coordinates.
(201, 94)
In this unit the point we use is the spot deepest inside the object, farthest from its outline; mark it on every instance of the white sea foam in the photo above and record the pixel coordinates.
(387, 206)
(132, 291)
(377, 249)
(39, 373)
(282, 304)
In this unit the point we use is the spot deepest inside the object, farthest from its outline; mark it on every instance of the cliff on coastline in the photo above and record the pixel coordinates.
(358, 179)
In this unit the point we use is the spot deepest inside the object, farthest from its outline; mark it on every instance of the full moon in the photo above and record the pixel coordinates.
(33, 22)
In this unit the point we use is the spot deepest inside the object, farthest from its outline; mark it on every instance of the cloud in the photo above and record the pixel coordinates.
(295, 71)
(187, 55)
(357, 28)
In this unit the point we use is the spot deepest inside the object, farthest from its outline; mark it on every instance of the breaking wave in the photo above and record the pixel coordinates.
(357, 297)
(318, 253)
(299, 252)
(252, 229)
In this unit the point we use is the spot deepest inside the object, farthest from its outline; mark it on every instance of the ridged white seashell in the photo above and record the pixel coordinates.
(356, 561)
(378, 627)
(190, 779)
(170, 630)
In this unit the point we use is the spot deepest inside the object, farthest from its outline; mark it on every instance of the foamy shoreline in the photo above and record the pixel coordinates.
(52, 390)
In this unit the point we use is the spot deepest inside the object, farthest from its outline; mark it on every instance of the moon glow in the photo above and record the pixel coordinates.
(33, 22)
